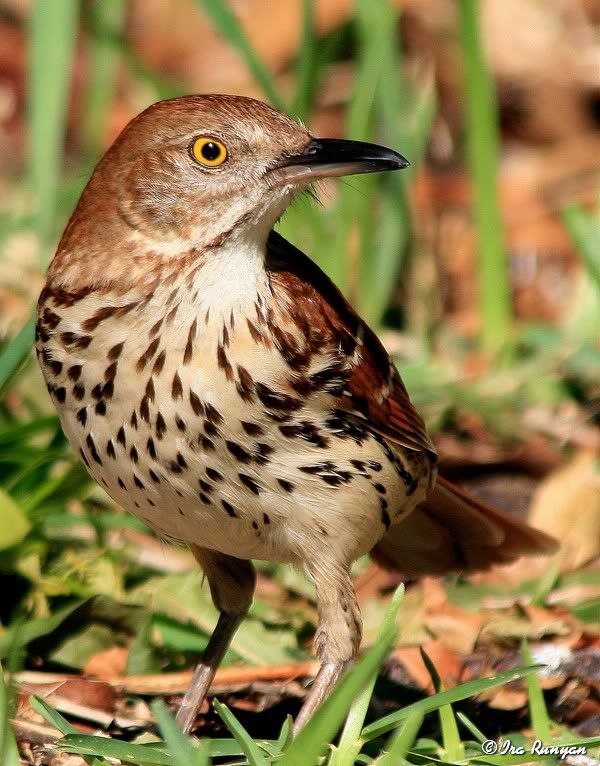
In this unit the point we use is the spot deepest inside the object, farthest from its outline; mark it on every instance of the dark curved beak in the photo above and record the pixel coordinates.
(331, 157)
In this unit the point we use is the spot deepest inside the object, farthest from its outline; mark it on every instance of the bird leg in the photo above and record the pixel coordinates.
(338, 634)
(232, 583)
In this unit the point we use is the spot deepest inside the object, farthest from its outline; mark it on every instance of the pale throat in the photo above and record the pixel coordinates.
(230, 278)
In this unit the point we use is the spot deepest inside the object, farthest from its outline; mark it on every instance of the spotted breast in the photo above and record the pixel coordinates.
(226, 418)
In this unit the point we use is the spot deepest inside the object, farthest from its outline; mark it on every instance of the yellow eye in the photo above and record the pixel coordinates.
(209, 151)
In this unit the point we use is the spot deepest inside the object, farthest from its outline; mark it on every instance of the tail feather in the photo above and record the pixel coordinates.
(453, 531)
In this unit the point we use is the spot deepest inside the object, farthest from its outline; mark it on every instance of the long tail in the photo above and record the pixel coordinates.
(453, 531)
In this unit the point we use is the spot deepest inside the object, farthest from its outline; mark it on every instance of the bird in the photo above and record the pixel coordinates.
(217, 385)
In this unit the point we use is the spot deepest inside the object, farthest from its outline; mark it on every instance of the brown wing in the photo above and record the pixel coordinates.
(373, 388)
(454, 531)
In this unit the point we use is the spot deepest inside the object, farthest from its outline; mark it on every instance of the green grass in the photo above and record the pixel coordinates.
(348, 703)
(102, 66)
(482, 153)
(52, 42)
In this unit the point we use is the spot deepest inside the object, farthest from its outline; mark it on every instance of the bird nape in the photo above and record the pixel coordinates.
(218, 386)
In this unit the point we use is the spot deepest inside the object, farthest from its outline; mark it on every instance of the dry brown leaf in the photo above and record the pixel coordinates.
(505, 698)
(456, 628)
(446, 662)
(567, 506)
(108, 663)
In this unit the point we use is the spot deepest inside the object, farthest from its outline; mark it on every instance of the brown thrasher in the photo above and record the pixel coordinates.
(219, 387)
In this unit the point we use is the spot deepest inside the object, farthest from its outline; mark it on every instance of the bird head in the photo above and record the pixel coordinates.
(198, 167)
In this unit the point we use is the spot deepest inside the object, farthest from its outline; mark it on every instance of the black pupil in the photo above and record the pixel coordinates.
(211, 151)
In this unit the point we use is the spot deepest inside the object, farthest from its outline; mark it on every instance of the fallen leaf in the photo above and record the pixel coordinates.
(109, 663)
(567, 506)
(447, 663)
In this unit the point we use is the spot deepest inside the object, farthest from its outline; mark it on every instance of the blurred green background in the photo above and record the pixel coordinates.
(480, 266)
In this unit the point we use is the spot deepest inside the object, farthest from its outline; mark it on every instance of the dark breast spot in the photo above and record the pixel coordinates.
(147, 355)
(189, 348)
(213, 414)
(176, 388)
(229, 509)
(145, 410)
(224, 363)
(196, 404)
(74, 372)
(210, 429)
(238, 452)
(252, 429)
(245, 384)
(115, 351)
(213, 474)
(250, 483)
(385, 516)
(161, 426)
(286, 485)
(56, 367)
(276, 400)
(181, 460)
(159, 363)
(91, 444)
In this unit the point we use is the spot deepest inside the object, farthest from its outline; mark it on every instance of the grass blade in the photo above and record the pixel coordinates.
(585, 233)
(458, 693)
(14, 525)
(103, 58)
(306, 67)
(53, 33)
(104, 747)
(470, 726)
(350, 743)
(52, 716)
(181, 747)
(540, 720)
(482, 150)
(316, 735)
(403, 739)
(15, 354)
(231, 29)
(251, 750)
(286, 734)
(453, 747)
(9, 754)
(352, 207)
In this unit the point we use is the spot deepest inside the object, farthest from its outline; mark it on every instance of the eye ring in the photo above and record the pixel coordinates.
(208, 151)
